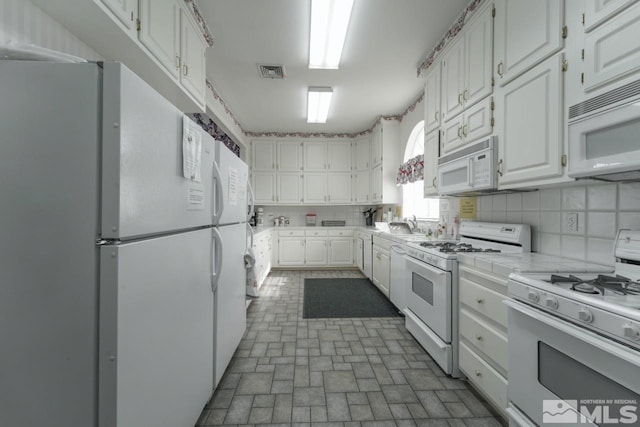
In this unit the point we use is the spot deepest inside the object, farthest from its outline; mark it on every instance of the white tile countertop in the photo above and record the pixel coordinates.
(505, 264)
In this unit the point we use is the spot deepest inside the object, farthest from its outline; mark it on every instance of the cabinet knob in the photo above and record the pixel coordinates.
(479, 300)
(479, 337)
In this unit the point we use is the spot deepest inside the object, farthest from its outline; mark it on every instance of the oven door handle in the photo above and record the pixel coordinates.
(617, 350)
(398, 249)
(432, 270)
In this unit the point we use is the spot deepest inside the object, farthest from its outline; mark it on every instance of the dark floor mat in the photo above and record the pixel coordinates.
(344, 297)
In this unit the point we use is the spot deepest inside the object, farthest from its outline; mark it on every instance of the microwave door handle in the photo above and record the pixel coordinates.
(470, 172)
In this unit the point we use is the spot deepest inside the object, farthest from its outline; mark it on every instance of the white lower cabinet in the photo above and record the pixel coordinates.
(315, 251)
(381, 269)
(291, 251)
(340, 251)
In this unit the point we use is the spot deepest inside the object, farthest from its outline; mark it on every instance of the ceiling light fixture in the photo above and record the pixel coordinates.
(329, 22)
(318, 103)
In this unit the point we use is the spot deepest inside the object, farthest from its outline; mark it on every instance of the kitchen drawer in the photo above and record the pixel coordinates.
(340, 233)
(484, 301)
(313, 233)
(383, 243)
(291, 233)
(486, 379)
(486, 338)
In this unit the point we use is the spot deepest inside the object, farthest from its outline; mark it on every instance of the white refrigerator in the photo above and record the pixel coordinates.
(110, 264)
(231, 193)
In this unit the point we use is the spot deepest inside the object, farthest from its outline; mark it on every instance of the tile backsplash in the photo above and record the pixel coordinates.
(578, 222)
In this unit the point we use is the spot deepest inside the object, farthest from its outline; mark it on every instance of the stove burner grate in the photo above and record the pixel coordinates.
(619, 285)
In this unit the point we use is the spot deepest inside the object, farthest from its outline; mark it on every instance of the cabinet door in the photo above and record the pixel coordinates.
(125, 10)
(431, 146)
(529, 123)
(339, 187)
(339, 156)
(598, 11)
(264, 187)
(289, 187)
(478, 44)
(263, 156)
(192, 53)
(315, 157)
(315, 251)
(360, 254)
(362, 154)
(526, 32)
(611, 50)
(452, 134)
(289, 156)
(362, 186)
(477, 121)
(340, 251)
(314, 187)
(383, 279)
(160, 32)
(453, 80)
(376, 146)
(432, 99)
(376, 184)
(291, 251)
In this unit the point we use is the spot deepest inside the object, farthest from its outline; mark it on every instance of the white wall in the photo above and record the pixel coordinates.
(21, 22)
(408, 123)
(602, 209)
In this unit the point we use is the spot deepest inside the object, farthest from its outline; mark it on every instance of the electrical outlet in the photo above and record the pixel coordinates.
(572, 222)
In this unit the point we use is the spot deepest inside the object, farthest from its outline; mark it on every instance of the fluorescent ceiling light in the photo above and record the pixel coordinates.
(318, 102)
(329, 22)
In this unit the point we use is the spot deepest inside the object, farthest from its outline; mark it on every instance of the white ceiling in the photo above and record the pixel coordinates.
(386, 42)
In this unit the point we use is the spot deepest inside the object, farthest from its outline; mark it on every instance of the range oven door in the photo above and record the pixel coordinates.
(429, 296)
(558, 369)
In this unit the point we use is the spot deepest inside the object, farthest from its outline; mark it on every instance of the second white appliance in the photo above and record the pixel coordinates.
(231, 192)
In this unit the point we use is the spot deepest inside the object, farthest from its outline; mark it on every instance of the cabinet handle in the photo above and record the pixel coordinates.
(479, 300)
(500, 167)
(478, 374)
(500, 69)
(177, 62)
(185, 69)
(436, 116)
(329, 197)
(478, 337)
(464, 131)
(459, 99)
(434, 181)
(460, 132)
(464, 94)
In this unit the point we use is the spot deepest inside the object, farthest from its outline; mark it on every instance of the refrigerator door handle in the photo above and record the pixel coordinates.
(219, 199)
(250, 234)
(216, 246)
(252, 204)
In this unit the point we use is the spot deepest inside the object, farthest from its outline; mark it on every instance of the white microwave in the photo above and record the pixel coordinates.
(469, 171)
(604, 136)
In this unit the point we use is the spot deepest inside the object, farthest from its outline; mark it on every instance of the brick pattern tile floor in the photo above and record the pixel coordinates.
(352, 372)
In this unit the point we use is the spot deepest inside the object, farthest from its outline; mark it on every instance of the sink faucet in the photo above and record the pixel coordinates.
(413, 223)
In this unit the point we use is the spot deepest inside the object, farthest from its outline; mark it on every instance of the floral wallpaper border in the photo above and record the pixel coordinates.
(200, 19)
(214, 130)
(453, 31)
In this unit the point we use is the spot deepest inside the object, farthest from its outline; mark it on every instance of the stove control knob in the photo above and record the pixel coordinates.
(630, 331)
(585, 315)
(551, 302)
(533, 296)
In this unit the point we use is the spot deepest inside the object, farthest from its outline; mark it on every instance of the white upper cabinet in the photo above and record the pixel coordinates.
(339, 187)
(264, 187)
(526, 33)
(611, 50)
(376, 184)
(192, 55)
(432, 114)
(263, 155)
(289, 156)
(289, 188)
(466, 67)
(315, 155)
(126, 11)
(339, 156)
(431, 151)
(529, 124)
(376, 146)
(160, 32)
(362, 184)
(362, 153)
(472, 124)
(598, 11)
(314, 188)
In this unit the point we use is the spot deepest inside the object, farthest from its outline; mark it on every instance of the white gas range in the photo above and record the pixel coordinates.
(574, 344)
(431, 284)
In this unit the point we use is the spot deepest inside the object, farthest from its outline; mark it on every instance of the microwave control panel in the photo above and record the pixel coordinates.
(481, 170)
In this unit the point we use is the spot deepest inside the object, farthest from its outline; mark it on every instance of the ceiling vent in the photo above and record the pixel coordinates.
(270, 71)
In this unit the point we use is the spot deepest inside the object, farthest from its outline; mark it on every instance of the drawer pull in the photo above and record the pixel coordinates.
(478, 374)
(479, 300)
